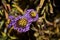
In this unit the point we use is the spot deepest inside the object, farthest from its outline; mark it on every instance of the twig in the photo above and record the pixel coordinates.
(18, 8)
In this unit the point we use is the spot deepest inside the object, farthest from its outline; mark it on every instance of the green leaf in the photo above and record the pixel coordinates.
(1, 23)
(3, 34)
(12, 37)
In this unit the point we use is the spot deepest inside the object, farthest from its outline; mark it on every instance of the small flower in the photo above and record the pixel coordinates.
(21, 24)
(31, 14)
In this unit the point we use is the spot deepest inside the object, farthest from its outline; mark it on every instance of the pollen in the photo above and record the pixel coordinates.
(33, 14)
(22, 22)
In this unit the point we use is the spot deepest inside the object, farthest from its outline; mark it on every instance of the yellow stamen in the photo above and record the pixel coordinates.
(33, 14)
(22, 22)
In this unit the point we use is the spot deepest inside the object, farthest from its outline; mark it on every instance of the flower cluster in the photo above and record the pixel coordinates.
(22, 23)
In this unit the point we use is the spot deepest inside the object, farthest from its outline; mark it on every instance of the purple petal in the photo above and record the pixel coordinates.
(9, 26)
(11, 17)
(27, 15)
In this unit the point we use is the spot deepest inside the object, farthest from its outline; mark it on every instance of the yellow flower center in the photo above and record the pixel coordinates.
(22, 22)
(33, 14)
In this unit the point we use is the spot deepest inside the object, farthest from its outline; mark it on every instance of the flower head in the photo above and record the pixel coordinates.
(21, 24)
(31, 15)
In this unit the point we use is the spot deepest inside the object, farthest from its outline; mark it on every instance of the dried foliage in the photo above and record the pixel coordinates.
(47, 26)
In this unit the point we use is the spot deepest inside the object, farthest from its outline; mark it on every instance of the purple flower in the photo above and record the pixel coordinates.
(32, 15)
(20, 23)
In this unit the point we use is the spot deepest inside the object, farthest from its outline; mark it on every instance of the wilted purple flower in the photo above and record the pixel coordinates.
(21, 24)
(31, 14)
